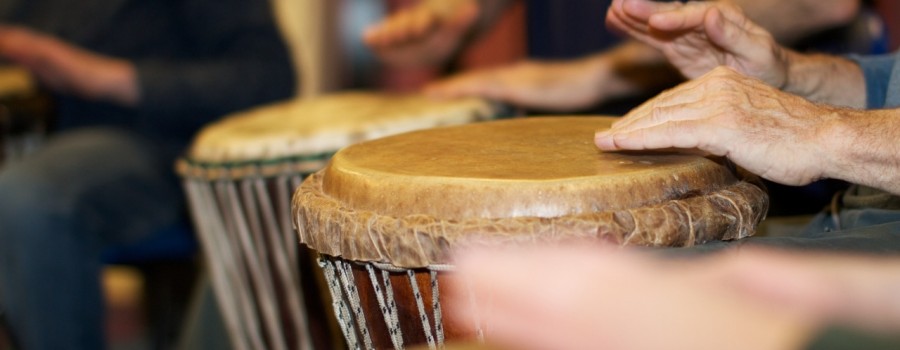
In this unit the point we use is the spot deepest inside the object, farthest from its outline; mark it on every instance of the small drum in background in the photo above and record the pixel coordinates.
(385, 224)
(239, 175)
(25, 113)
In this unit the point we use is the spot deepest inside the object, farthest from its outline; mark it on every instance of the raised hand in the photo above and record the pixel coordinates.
(426, 34)
(699, 36)
(68, 69)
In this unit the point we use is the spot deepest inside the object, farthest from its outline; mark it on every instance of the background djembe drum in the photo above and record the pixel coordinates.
(385, 214)
(239, 175)
(25, 113)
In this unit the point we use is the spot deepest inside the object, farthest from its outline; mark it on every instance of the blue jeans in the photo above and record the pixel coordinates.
(867, 231)
(84, 190)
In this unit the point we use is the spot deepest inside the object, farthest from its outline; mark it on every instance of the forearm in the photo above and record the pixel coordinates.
(632, 68)
(870, 300)
(853, 291)
(120, 86)
(864, 147)
(825, 79)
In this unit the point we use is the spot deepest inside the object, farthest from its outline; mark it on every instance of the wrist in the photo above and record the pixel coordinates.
(839, 136)
(620, 72)
(790, 62)
(121, 85)
(866, 152)
(825, 79)
(604, 82)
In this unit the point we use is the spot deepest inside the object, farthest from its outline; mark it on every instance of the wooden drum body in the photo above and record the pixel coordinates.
(239, 175)
(385, 214)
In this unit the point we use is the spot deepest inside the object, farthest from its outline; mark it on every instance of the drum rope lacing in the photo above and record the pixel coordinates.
(388, 307)
(235, 253)
(345, 320)
(343, 289)
(396, 269)
(253, 257)
(233, 301)
(423, 317)
(349, 284)
(240, 227)
(436, 306)
(283, 257)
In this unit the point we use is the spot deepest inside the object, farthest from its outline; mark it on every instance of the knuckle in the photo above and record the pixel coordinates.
(657, 114)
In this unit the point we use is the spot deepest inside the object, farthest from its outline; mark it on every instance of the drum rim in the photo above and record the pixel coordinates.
(306, 164)
(732, 212)
(202, 150)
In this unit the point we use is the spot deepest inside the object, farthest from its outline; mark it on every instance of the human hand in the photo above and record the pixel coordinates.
(65, 68)
(549, 86)
(771, 133)
(423, 35)
(854, 291)
(699, 36)
(578, 297)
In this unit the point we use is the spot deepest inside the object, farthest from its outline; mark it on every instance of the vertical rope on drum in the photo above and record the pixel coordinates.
(262, 282)
(436, 306)
(423, 315)
(234, 259)
(227, 301)
(390, 318)
(250, 212)
(286, 219)
(391, 302)
(290, 233)
(287, 273)
(345, 320)
(346, 273)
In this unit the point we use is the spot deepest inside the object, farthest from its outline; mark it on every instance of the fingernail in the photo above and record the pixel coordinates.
(604, 140)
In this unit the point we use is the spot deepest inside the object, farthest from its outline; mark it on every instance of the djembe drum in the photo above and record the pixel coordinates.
(385, 214)
(239, 175)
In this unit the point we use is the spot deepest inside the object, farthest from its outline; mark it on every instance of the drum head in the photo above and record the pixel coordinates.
(407, 199)
(544, 167)
(322, 125)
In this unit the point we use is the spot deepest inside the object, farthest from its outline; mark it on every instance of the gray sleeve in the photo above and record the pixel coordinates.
(877, 71)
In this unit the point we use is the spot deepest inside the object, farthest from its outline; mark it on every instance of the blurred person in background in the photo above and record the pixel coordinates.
(134, 80)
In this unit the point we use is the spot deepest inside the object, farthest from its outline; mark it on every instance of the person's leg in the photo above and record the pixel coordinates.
(861, 231)
(85, 189)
